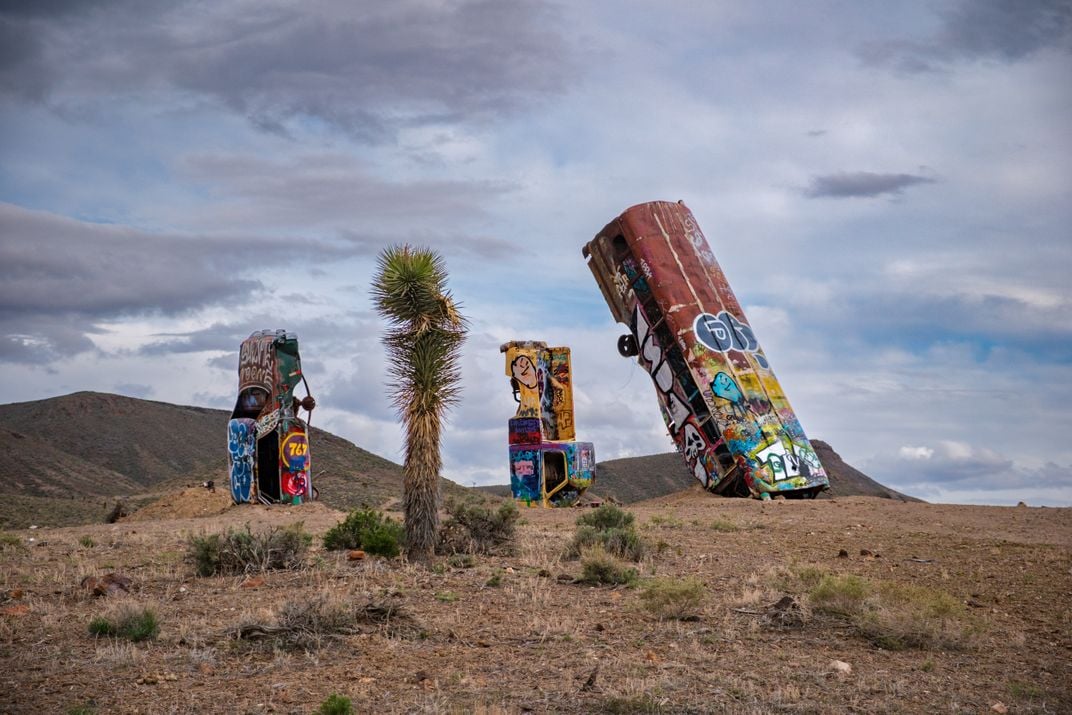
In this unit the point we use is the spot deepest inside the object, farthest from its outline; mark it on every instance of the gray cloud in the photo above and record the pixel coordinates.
(336, 193)
(366, 68)
(61, 275)
(1006, 30)
(861, 184)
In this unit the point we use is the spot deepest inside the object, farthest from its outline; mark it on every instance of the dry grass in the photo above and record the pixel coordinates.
(375, 632)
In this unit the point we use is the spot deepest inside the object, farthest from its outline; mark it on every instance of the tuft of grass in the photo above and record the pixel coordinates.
(670, 598)
(839, 595)
(87, 542)
(369, 530)
(336, 704)
(599, 568)
(496, 579)
(625, 705)
(129, 622)
(1020, 689)
(236, 552)
(84, 709)
(446, 596)
(471, 528)
(891, 615)
(724, 526)
(10, 541)
(906, 616)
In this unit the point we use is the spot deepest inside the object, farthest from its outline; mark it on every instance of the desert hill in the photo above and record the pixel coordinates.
(633, 479)
(67, 457)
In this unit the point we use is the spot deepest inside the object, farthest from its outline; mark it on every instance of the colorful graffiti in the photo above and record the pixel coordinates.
(241, 449)
(547, 467)
(268, 443)
(721, 402)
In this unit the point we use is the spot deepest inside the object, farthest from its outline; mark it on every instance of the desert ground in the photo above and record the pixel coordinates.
(516, 633)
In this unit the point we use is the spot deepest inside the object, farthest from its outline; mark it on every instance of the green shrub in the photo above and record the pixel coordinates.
(841, 595)
(624, 543)
(472, 528)
(599, 568)
(336, 705)
(130, 622)
(369, 530)
(610, 529)
(671, 598)
(237, 552)
(724, 525)
(10, 540)
(607, 516)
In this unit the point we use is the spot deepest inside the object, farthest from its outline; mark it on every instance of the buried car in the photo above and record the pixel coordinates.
(267, 442)
(547, 466)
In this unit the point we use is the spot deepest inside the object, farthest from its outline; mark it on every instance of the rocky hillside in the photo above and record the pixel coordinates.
(67, 457)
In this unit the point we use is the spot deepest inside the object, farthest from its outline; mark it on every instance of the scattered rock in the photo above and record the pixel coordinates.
(355, 555)
(108, 585)
(564, 578)
(843, 554)
(999, 707)
(786, 612)
(841, 667)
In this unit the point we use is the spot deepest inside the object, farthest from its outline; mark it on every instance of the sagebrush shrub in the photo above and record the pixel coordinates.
(369, 530)
(610, 528)
(236, 552)
(607, 516)
(600, 568)
(472, 528)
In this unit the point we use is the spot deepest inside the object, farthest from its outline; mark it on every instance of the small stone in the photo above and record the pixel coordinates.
(999, 707)
(509, 569)
(355, 555)
(840, 667)
(843, 554)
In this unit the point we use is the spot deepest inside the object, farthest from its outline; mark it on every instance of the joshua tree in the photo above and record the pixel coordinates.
(423, 344)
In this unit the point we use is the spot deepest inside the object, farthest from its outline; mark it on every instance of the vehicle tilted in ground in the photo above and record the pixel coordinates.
(720, 400)
(267, 442)
(547, 466)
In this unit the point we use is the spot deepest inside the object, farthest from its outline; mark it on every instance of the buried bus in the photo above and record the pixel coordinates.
(267, 442)
(720, 400)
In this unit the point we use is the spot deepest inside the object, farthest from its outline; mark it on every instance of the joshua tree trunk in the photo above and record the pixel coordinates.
(423, 347)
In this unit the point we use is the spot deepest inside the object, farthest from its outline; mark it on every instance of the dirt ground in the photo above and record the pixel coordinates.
(514, 634)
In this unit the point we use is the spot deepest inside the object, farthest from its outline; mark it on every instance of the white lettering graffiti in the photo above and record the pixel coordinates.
(676, 410)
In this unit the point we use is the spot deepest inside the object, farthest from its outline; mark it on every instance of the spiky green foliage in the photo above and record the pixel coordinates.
(423, 343)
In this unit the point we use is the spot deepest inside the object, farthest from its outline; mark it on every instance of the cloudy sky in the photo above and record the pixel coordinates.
(887, 185)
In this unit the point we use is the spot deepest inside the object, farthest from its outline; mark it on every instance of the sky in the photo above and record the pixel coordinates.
(888, 187)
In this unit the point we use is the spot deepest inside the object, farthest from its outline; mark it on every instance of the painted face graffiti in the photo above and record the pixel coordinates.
(524, 371)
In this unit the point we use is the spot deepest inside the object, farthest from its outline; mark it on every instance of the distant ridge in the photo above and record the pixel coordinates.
(87, 448)
(634, 479)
